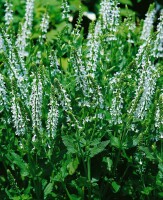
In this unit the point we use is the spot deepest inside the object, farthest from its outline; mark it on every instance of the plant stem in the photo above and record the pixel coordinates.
(89, 176)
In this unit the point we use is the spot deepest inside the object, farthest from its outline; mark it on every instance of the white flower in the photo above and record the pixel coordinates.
(8, 13)
(80, 72)
(54, 65)
(66, 10)
(3, 93)
(159, 116)
(117, 100)
(17, 67)
(158, 44)
(52, 117)
(17, 117)
(148, 24)
(1, 44)
(36, 103)
(26, 29)
(93, 45)
(110, 15)
(44, 25)
(145, 90)
(63, 98)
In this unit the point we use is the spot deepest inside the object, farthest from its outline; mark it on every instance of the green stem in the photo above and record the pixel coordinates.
(89, 176)
(89, 168)
(82, 156)
(116, 161)
(67, 192)
(125, 173)
(161, 149)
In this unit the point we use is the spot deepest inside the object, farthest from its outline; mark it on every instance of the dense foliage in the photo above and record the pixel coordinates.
(81, 115)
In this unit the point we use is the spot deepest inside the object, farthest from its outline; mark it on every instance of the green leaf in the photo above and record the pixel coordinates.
(159, 179)
(72, 166)
(22, 197)
(115, 142)
(160, 194)
(98, 148)
(127, 12)
(126, 2)
(17, 160)
(48, 190)
(69, 143)
(147, 152)
(115, 186)
(160, 166)
(147, 190)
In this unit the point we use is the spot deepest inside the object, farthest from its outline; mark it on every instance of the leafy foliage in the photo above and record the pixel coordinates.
(80, 114)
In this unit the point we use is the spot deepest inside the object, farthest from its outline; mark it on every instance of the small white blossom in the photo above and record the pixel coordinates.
(19, 123)
(8, 13)
(17, 67)
(54, 65)
(44, 25)
(63, 98)
(52, 117)
(36, 103)
(66, 10)
(159, 116)
(1, 44)
(93, 45)
(148, 25)
(3, 93)
(26, 29)
(110, 15)
(117, 100)
(145, 90)
(98, 28)
(158, 44)
(80, 72)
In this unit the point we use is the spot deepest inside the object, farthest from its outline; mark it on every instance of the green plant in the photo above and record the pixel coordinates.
(81, 118)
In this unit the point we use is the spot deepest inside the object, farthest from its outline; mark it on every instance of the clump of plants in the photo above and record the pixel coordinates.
(82, 118)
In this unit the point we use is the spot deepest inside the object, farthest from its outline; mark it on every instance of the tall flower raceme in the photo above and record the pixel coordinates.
(98, 28)
(147, 76)
(25, 33)
(17, 116)
(131, 29)
(148, 23)
(158, 43)
(93, 46)
(109, 16)
(66, 10)
(80, 72)
(53, 115)
(144, 91)
(54, 65)
(3, 93)
(63, 98)
(142, 55)
(148, 80)
(159, 117)
(36, 103)
(1, 44)
(117, 100)
(85, 82)
(44, 25)
(16, 68)
(8, 13)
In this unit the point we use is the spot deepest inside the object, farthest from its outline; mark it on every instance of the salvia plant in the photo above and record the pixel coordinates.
(81, 117)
